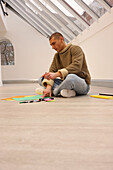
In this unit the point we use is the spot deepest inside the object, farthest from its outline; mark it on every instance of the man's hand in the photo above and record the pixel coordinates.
(51, 75)
(47, 91)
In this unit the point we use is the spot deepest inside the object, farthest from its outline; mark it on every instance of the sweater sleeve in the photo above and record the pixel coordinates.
(53, 67)
(64, 73)
(47, 82)
(77, 60)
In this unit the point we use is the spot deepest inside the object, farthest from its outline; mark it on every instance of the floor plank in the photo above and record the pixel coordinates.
(68, 134)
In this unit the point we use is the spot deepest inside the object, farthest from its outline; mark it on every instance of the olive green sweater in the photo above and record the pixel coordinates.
(71, 60)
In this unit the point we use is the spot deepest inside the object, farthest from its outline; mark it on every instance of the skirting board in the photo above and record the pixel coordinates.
(102, 83)
(20, 81)
(94, 82)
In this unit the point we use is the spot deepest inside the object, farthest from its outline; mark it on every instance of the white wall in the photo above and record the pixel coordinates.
(97, 42)
(33, 53)
(2, 29)
(0, 71)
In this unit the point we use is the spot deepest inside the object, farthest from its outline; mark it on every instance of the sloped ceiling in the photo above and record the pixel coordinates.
(70, 17)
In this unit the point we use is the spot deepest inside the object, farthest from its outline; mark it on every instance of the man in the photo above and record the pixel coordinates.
(68, 74)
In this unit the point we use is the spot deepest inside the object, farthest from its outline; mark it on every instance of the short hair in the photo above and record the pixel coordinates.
(56, 35)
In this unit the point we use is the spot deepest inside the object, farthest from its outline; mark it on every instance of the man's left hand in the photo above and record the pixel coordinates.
(50, 75)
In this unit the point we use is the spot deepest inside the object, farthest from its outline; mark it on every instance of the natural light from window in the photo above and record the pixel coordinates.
(72, 3)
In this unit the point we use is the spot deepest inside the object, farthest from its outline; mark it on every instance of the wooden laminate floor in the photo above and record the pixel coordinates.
(68, 134)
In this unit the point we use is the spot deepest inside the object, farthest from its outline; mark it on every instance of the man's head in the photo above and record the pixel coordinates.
(57, 41)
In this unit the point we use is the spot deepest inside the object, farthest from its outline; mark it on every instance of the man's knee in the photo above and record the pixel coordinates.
(71, 76)
(76, 80)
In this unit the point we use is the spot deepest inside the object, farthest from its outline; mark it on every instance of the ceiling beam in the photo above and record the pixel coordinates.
(55, 18)
(64, 4)
(27, 17)
(76, 28)
(47, 19)
(34, 15)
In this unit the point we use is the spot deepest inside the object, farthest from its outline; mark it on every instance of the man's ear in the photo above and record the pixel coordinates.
(61, 38)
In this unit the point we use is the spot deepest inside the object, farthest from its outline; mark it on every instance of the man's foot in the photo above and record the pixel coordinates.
(39, 90)
(68, 93)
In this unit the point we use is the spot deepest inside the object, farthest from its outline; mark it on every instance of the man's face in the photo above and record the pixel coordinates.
(56, 43)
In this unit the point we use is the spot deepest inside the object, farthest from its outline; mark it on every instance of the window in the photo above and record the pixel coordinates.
(95, 6)
(7, 52)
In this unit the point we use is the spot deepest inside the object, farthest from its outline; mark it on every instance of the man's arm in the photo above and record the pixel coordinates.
(77, 60)
(47, 91)
(50, 75)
